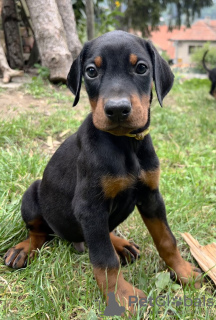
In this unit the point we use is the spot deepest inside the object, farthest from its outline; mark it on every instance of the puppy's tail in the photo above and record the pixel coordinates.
(203, 61)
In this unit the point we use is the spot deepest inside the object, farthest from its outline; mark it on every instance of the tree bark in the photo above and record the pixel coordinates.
(69, 22)
(51, 38)
(8, 73)
(90, 19)
(12, 34)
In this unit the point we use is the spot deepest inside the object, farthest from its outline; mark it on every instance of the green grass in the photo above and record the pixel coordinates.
(59, 284)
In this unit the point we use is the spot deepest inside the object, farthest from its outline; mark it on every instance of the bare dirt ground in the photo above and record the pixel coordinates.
(15, 100)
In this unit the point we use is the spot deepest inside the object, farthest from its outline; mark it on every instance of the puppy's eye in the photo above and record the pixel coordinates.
(141, 68)
(91, 72)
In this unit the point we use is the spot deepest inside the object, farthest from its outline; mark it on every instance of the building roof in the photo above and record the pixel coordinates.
(161, 37)
(201, 30)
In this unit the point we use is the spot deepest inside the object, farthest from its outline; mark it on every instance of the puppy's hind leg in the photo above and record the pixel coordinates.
(17, 256)
(213, 88)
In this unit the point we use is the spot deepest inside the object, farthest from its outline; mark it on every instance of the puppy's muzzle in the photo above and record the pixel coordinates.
(117, 110)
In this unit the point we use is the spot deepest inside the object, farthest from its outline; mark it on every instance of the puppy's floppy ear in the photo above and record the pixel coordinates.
(162, 74)
(74, 78)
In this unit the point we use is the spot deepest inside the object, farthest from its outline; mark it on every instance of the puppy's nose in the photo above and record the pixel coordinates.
(117, 109)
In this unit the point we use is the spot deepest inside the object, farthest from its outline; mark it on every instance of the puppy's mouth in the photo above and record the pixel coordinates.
(122, 130)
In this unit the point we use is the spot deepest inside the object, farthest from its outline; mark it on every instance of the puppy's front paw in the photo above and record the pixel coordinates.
(17, 256)
(127, 250)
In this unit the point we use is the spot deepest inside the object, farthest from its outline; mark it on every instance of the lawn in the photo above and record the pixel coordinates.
(59, 284)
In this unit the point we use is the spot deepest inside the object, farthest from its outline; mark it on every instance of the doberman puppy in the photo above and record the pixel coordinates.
(99, 174)
(211, 75)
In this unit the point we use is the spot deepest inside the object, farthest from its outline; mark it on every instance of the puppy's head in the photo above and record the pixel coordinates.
(118, 70)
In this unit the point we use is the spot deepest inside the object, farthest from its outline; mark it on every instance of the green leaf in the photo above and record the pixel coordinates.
(175, 287)
(162, 281)
(92, 315)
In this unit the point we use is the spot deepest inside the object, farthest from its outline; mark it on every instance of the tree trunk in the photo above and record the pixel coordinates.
(34, 54)
(12, 34)
(90, 19)
(69, 22)
(8, 73)
(51, 38)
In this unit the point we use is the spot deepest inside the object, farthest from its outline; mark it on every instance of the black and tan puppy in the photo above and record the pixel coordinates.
(211, 75)
(99, 174)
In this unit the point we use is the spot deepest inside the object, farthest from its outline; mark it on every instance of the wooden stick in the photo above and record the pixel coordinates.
(204, 255)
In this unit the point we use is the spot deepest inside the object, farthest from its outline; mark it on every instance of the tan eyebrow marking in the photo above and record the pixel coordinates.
(98, 61)
(133, 59)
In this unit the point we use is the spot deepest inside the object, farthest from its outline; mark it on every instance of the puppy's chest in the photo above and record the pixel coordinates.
(114, 185)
